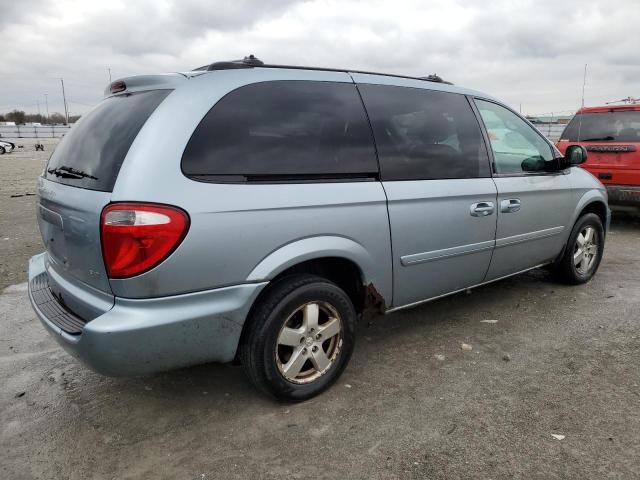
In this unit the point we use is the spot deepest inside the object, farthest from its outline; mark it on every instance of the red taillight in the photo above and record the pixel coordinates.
(138, 236)
(118, 86)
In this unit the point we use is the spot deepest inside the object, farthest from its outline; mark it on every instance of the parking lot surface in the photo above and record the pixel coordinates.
(545, 359)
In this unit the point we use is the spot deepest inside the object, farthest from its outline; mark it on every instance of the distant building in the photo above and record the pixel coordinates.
(8, 124)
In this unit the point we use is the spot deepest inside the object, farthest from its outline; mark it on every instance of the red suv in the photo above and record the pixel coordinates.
(611, 135)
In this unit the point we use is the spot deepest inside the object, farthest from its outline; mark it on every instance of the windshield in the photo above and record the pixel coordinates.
(620, 126)
(91, 154)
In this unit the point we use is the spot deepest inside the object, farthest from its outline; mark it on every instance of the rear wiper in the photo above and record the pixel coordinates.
(70, 172)
(601, 139)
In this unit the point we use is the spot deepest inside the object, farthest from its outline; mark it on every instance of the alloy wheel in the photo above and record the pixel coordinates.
(585, 250)
(309, 342)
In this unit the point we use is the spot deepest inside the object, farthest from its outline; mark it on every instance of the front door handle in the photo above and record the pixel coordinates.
(481, 209)
(510, 205)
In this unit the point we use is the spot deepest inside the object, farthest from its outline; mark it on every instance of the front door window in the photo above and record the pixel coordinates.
(517, 147)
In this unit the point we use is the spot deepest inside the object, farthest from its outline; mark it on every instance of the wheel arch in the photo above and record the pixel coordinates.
(322, 251)
(594, 201)
(599, 208)
(338, 259)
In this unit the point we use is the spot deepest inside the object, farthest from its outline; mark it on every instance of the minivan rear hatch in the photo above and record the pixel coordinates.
(77, 184)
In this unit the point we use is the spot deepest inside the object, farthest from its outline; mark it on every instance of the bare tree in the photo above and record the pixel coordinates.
(17, 116)
(57, 118)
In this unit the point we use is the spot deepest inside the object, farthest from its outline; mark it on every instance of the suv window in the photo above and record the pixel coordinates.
(517, 147)
(614, 126)
(425, 134)
(91, 154)
(283, 130)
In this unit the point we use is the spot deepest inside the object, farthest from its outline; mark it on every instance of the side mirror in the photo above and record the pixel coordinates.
(533, 164)
(575, 155)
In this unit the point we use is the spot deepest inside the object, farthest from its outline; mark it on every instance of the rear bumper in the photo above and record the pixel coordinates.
(140, 336)
(624, 195)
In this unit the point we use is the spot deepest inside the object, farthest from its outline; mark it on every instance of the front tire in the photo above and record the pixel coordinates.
(300, 338)
(583, 253)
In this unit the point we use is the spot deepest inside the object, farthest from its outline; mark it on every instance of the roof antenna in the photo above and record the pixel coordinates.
(252, 60)
(434, 77)
(630, 100)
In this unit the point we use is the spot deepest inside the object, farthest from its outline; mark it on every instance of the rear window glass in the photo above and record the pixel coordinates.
(618, 126)
(425, 134)
(91, 154)
(285, 130)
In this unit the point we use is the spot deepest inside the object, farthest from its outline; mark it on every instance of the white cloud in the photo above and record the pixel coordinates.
(521, 51)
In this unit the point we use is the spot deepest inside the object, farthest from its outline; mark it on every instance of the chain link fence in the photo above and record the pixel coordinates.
(10, 132)
(551, 130)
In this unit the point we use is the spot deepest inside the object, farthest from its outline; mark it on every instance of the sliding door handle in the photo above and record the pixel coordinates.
(510, 205)
(482, 209)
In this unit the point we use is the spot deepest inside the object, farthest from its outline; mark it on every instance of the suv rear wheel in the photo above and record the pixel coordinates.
(301, 337)
(584, 250)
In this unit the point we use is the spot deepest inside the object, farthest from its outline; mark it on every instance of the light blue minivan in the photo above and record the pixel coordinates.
(253, 212)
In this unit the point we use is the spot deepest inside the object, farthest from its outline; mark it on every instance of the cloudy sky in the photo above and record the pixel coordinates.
(529, 53)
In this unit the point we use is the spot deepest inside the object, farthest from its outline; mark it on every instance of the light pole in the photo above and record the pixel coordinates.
(46, 100)
(584, 82)
(64, 99)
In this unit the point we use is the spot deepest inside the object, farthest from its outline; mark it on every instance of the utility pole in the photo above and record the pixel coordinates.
(584, 82)
(109, 75)
(46, 99)
(38, 101)
(64, 99)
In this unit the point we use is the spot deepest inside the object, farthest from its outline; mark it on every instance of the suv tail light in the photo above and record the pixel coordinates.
(138, 236)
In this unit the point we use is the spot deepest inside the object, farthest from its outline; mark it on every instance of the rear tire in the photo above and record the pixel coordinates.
(583, 253)
(300, 338)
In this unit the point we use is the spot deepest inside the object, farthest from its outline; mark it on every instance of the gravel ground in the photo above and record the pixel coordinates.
(412, 404)
(19, 235)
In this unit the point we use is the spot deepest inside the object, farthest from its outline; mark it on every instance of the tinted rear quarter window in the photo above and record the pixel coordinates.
(615, 126)
(283, 130)
(425, 134)
(91, 154)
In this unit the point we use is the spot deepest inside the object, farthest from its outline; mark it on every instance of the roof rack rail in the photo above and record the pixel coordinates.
(434, 78)
(252, 61)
